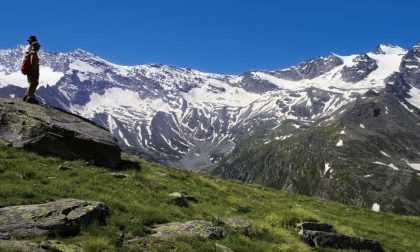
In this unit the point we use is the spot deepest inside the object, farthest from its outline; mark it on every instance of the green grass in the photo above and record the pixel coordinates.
(142, 199)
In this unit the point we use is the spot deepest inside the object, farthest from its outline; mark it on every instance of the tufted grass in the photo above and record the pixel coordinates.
(142, 199)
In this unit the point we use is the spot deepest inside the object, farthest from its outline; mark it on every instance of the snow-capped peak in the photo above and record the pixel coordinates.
(389, 49)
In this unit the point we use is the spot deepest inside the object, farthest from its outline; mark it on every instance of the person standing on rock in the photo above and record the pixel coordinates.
(30, 67)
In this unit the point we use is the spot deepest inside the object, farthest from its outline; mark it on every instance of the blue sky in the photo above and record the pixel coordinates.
(230, 36)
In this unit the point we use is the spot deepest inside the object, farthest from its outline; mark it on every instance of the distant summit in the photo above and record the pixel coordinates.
(389, 49)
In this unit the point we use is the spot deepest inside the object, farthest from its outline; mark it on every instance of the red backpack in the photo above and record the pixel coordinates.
(26, 64)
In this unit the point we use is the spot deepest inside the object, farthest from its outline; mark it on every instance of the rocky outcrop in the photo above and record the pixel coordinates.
(29, 246)
(234, 222)
(222, 248)
(63, 217)
(315, 226)
(311, 68)
(338, 241)
(162, 232)
(322, 235)
(363, 66)
(20, 245)
(201, 228)
(53, 132)
(410, 66)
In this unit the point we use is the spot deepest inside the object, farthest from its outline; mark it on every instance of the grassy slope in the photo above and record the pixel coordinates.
(143, 199)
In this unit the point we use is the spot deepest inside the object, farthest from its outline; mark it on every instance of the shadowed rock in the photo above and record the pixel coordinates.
(315, 226)
(181, 199)
(63, 217)
(338, 241)
(50, 131)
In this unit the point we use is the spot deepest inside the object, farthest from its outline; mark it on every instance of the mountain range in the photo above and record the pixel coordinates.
(344, 128)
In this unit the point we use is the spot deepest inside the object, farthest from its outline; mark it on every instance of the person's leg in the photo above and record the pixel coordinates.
(33, 84)
(32, 89)
(29, 77)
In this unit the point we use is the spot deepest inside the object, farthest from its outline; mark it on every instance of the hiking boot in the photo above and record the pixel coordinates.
(32, 100)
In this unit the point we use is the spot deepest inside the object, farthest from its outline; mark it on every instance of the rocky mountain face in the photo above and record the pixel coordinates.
(193, 119)
(367, 154)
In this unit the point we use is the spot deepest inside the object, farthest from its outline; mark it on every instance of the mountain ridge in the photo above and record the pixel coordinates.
(203, 114)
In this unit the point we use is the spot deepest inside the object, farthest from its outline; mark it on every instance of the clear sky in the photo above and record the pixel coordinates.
(222, 36)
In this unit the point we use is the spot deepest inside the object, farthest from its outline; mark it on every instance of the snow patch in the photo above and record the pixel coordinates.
(415, 166)
(390, 165)
(384, 153)
(84, 67)
(391, 49)
(327, 168)
(376, 207)
(415, 97)
(339, 143)
(342, 132)
(362, 126)
(297, 126)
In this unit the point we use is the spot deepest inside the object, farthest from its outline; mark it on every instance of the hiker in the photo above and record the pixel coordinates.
(30, 67)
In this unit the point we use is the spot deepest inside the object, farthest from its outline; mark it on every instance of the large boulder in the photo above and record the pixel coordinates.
(63, 217)
(49, 131)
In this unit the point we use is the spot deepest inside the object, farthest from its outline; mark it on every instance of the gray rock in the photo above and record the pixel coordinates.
(4, 236)
(20, 245)
(181, 199)
(338, 241)
(120, 237)
(63, 217)
(119, 175)
(234, 222)
(315, 226)
(201, 228)
(222, 248)
(57, 246)
(64, 167)
(50, 131)
(160, 174)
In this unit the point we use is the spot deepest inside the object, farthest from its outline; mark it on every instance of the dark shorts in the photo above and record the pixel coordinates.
(33, 78)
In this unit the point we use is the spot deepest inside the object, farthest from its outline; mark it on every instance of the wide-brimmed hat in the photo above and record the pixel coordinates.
(32, 38)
